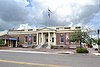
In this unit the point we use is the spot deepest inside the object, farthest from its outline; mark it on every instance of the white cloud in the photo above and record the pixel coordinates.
(24, 26)
(64, 12)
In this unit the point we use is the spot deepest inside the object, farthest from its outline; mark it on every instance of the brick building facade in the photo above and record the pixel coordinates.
(43, 36)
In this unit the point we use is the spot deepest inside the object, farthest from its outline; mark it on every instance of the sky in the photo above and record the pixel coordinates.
(26, 14)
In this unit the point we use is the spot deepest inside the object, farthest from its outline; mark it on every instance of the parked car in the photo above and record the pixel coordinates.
(95, 46)
(24, 45)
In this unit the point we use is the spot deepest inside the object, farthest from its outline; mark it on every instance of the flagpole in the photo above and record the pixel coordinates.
(29, 5)
(98, 31)
(49, 22)
(49, 14)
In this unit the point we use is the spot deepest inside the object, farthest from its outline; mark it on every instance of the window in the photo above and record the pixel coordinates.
(57, 28)
(29, 38)
(52, 39)
(62, 38)
(30, 29)
(17, 39)
(78, 27)
(25, 38)
(34, 38)
(67, 28)
(46, 39)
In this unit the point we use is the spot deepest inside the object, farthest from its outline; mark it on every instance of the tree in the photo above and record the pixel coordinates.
(95, 40)
(1, 42)
(78, 36)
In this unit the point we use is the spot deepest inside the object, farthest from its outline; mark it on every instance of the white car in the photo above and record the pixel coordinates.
(24, 45)
(95, 46)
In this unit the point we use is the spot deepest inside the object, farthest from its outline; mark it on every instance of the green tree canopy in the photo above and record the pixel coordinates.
(1, 42)
(75, 36)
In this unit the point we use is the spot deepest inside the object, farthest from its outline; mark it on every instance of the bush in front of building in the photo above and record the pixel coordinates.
(57, 47)
(33, 46)
(2, 43)
(82, 50)
(52, 47)
(3, 46)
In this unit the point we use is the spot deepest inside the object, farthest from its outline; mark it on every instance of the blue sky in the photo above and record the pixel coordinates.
(15, 15)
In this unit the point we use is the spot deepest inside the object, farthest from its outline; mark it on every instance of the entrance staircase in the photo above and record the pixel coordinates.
(38, 47)
(46, 46)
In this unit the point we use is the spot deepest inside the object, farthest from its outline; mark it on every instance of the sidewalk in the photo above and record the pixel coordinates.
(54, 51)
(92, 51)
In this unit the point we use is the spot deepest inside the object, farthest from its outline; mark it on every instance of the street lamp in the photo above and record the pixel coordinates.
(98, 31)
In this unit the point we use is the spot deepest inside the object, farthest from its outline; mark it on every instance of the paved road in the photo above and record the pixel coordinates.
(16, 59)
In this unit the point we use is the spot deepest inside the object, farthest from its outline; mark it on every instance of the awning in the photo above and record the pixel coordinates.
(12, 38)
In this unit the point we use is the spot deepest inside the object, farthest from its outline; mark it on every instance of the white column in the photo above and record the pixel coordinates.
(5, 41)
(16, 43)
(37, 39)
(54, 38)
(48, 38)
(49, 46)
(42, 38)
(10, 43)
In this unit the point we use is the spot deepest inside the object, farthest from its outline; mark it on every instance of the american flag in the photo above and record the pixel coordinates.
(30, 3)
(49, 12)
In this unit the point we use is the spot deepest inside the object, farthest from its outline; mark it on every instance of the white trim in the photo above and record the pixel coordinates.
(54, 38)
(37, 39)
(48, 38)
(42, 38)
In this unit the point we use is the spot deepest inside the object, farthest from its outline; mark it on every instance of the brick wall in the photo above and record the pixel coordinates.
(58, 38)
(22, 39)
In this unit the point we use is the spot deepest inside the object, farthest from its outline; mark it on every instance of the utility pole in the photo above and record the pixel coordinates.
(98, 31)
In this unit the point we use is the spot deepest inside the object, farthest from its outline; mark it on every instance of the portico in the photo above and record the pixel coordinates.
(46, 38)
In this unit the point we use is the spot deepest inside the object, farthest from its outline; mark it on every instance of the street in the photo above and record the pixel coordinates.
(16, 59)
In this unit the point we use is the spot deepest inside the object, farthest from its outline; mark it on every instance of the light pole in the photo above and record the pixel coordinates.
(98, 31)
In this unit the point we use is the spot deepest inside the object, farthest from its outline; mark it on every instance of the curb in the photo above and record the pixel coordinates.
(40, 52)
(65, 52)
(97, 54)
(25, 51)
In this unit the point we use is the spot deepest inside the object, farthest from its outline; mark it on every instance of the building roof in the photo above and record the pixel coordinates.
(1, 34)
(57, 29)
(5, 36)
(47, 29)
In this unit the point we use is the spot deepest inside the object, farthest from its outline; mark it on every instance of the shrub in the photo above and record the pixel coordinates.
(53, 47)
(56, 47)
(1, 41)
(2, 45)
(33, 46)
(82, 50)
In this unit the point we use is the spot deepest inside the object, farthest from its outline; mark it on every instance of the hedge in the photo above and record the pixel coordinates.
(82, 50)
